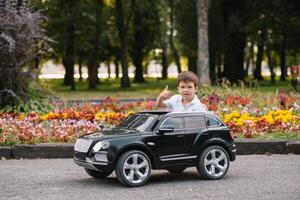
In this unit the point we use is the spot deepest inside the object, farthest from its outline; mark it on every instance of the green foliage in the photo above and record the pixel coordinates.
(20, 39)
(186, 25)
(38, 100)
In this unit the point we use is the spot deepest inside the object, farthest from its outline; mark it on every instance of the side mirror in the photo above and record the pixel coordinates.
(165, 129)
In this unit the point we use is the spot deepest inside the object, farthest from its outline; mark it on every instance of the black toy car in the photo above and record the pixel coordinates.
(158, 140)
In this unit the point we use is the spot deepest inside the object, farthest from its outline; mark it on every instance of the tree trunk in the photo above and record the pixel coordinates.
(122, 31)
(283, 66)
(137, 60)
(248, 60)
(192, 63)
(164, 63)
(116, 61)
(80, 68)
(252, 58)
(171, 37)
(93, 58)
(212, 66)
(108, 69)
(203, 54)
(270, 62)
(68, 60)
(234, 57)
(137, 46)
(259, 57)
(247, 67)
(219, 66)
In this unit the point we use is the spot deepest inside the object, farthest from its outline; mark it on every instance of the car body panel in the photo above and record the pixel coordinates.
(179, 148)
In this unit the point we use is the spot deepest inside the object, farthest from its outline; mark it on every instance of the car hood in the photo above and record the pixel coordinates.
(115, 132)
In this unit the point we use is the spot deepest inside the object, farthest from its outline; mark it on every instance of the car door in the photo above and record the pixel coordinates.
(169, 146)
(195, 126)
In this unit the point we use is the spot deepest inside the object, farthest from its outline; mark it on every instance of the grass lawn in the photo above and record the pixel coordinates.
(150, 89)
(111, 87)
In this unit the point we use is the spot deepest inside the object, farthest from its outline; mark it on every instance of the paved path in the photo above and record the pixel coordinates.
(249, 177)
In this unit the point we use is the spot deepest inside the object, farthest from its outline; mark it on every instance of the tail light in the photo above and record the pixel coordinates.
(233, 134)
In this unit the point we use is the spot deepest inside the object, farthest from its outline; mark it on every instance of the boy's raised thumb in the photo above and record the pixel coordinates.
(166, 87)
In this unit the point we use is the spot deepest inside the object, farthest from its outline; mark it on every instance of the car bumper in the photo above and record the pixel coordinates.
(232, 152)
(88, 162)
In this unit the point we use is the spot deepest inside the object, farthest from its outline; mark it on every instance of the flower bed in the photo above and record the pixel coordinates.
(63, 124)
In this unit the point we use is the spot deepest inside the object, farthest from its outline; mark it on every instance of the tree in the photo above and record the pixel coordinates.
(122, 23)
(171, 35)
(216, 39)
(235, 22)
(63, 27)
(186, 26)
(20, 34)
(143, 34)
(95, 42)
(202, 60)
(162, 38)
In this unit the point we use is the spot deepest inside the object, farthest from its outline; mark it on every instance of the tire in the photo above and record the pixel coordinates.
(176, 170)
(96, 174)
(133, 168)
(213, 163)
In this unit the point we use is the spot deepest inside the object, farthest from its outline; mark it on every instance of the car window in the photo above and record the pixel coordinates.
(194, 122)
(139, 122)
(176, 122)
(129, 120)
(143, 123)
(212, 122)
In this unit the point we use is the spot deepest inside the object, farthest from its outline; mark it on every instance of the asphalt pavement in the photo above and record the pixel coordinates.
(249, 177)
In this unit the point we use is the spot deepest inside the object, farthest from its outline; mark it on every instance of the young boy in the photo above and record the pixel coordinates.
(186, 100)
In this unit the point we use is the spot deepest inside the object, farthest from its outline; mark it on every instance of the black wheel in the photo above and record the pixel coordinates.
(133, 168)
(97, 174)
(213, 163)
(176, 170)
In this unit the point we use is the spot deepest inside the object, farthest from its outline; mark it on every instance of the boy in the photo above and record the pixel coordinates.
(186, 100)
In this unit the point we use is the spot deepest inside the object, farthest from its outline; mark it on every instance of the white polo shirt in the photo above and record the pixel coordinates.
(175, 104)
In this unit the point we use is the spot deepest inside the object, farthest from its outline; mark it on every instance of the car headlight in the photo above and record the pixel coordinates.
(100, 145)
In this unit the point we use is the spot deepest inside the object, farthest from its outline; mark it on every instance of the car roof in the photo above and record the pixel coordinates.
(170, 113)
(154, 112)
(191, 113)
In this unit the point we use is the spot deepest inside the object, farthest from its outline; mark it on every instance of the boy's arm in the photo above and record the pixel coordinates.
(163, 96)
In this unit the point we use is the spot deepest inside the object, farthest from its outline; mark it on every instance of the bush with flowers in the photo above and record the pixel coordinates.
(65, 124)
(253, 116)
(244, 115)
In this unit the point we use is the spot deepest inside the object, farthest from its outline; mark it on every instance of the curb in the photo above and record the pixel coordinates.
(62, 150)
(254, 146)
(59, 150)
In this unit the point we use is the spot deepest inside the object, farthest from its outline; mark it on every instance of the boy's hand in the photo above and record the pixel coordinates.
(165, 94)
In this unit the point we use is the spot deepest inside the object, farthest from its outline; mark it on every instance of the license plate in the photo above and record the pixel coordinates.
(82, 145)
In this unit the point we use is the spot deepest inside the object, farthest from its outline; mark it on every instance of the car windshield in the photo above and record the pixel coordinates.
(139, 122)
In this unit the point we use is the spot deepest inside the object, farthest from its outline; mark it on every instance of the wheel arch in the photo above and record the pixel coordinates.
(217, 142)
(140, 148)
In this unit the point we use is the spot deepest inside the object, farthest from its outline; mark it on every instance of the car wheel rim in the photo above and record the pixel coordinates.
(216, 162)
(136, 168)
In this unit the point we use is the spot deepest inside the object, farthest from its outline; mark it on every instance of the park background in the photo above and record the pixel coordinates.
(68, 66)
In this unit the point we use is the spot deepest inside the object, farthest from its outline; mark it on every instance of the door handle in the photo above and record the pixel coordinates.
(180, 136)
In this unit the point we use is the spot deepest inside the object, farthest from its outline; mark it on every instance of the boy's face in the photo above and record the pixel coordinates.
(187, 89)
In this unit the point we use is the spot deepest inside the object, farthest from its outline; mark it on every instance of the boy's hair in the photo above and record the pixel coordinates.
(187, 76)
